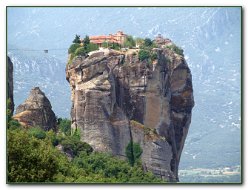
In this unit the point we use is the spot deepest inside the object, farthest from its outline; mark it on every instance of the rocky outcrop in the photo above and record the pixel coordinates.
(116, 98)
(36, 111)
(10, 86)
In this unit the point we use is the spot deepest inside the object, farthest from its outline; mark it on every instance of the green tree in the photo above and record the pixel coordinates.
(73, 48)
(86, 41)
(129, 42)
(144, 55)
(115, 46)
(105, 44)
(77, 39)
(13, 124)
(37, 132)
(110, 169)
(91, 47)
(154, 56)
(147, 42)
(31, 159)
(51, 135)
(133, 152)
(73, 146)
(80, 51)
(76, 134)
(64, 126)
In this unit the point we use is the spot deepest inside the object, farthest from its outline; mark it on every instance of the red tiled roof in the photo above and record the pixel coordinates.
(99, 37)
(112, 38)
(99, 41)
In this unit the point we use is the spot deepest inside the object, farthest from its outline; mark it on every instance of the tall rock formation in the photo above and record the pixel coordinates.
(10, 86)
(36, 111)
(116, 98)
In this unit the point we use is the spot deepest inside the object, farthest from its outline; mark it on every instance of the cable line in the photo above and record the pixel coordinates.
(44, 50)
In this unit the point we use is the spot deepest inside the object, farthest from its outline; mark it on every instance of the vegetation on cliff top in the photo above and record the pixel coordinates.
(176, 49)
(81, 48)
(145, 46)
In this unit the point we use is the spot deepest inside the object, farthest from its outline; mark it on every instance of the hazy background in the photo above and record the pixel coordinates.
(210, 37)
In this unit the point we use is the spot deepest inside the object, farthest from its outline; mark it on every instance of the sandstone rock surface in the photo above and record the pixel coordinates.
(112, 91)
(36, 111)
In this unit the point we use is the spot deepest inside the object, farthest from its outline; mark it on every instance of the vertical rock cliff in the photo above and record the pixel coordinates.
(36, 111)
(10, 86)
(116, 98)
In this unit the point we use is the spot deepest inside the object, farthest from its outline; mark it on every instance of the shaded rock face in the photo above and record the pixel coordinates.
(10, 85)
(36, 111)
(113, 90)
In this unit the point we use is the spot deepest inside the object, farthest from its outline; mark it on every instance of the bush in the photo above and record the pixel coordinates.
(154, 56)
(91, 47)
(77, 49)
(115, 46)
(36, 160)
(37, 132)
(176, 49)
(76, 134)
(83, 146)
(69, 146)
(31, 159)
(147, 42)
(129, 42)
(74, 146)
(144, 55)
(52, 137)
(73, 48)
(64, 126)
(111, 169)
(105, 44)
(80, 51)
(13, 124)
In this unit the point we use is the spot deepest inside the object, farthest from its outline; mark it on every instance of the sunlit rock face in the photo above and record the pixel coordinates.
(116, 98)
(36, 111)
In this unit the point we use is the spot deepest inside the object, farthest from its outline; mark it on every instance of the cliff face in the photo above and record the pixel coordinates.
(36, 111)
(10, 85)
(116, 98)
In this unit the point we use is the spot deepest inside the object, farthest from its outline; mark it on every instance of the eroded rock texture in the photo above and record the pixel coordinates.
(116, 98)
(10, 86)
(36, 111)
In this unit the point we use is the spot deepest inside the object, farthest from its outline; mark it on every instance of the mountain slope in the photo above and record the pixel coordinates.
(44, 71)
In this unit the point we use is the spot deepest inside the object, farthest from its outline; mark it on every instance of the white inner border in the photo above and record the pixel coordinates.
(4, 3)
